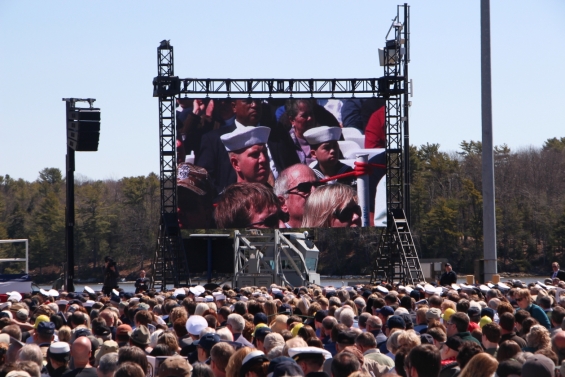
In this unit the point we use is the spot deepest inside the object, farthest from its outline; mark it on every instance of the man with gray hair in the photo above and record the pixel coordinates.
(292, 187)
(347, 317)
(107, 365)
(31, 352)
(271, 341)
(236, 324)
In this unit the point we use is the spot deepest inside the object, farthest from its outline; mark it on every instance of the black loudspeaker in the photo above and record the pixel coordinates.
(83, 131)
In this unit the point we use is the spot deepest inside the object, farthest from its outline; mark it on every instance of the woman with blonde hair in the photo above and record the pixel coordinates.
(480, 365)
(537, 338)
(332, 206)
(234, 364)
(525, 302)
(271, 309)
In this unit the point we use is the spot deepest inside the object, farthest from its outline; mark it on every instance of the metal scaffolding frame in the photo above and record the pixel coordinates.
(397, 258)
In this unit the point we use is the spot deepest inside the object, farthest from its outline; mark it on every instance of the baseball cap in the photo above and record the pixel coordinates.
(207, 341)
(123, 330)
(538, 366)
(40, 318)
(395, 322)
(261, 332)
(386, 311)
(46, 328)
(284, 366)
(175, 366)
(285, 309)
(260, 318)
(454, 343)
(489, 312)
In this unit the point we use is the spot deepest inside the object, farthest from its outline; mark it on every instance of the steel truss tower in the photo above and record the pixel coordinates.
(396, 255)
(397, 258)
(170, 265)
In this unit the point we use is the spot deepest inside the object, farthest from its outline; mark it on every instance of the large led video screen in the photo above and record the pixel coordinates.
(278, 163)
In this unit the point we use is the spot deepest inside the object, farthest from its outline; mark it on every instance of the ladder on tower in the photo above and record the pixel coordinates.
(397, 258)
(170, 265)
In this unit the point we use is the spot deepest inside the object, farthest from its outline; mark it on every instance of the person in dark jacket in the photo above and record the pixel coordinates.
(110, 276)
(448, 277)
(557, 273)
(524, 300)
(449, 351)
(457, 326)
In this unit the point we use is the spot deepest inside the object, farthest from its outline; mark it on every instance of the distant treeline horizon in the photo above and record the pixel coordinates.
(120, 217)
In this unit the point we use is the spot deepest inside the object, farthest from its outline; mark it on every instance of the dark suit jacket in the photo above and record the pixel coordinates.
(560, 275)
(214, 157)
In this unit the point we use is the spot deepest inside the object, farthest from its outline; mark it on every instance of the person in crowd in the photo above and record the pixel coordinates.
(248, 205)
(220, 355)
(81, 351)
(491, 338)
(247, 151)
(332, 206)
(325, 150)
(293, 186)
(458, 325)
(110, 276)
(107, 365)
(481, 365)
(214, 157)
(344, 363)
(557, 273)
(300, 114)
(142, 282)
(448, 277)
(525, 302)
(195, 197)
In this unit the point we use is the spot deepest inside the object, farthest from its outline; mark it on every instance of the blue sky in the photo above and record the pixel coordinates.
(107, 50)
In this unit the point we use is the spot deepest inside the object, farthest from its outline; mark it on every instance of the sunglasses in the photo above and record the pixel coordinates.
(346, 213)
(519, 299)
(304, 187)
(271, 221)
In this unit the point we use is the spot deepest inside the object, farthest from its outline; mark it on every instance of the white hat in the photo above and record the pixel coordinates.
(209, 298)
(245, 137)
(309, 350)
(179, 291)
(43, 292)
(243, 298)
(199, 299)
(134, 299)
(455, 286)
(195, 324)
(220, 297)
(429, 289)
(348, 288)
(59, 348)
(88, 289)
(115, 292)
(503, 287)
(484, 288)
(5, 305)
(14, 296)
(382, 289)
(323, 134)
(53, 293)
(88, 304)
(61, 302)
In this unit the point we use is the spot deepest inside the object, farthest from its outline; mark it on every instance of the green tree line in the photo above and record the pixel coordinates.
(120, 218)
(116, 218)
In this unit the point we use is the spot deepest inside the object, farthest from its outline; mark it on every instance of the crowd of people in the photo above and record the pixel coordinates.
(504, 329)
(257, 162)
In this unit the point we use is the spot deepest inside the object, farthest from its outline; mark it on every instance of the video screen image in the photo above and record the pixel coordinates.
(278, 163)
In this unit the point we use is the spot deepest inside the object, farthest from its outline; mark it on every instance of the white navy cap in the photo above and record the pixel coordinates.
(245, 137)
(53, 293)
(323, 134)
(382, 289)
(59, 347)
(14, 296)
(195, 324)
(88, 304)
(62, 302)
(88, 289)
(297, 351)
(220, 297)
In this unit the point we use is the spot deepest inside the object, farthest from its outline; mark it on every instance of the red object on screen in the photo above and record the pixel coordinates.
(375, 133)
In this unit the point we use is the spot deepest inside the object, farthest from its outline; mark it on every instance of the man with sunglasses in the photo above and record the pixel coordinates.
(292, 187)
